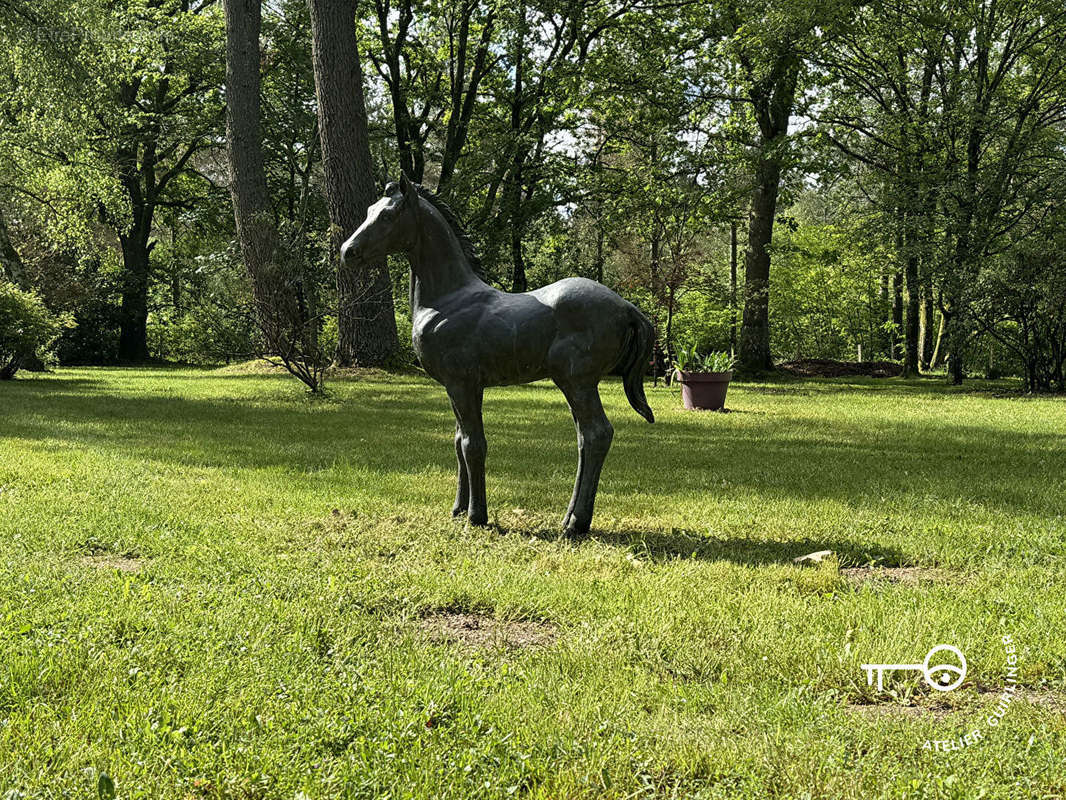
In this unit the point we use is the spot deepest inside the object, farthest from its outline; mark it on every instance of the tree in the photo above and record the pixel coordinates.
(286, 318)
(767, 44)
(366, 320)
(654, 175)
(110, 126)
(1021, 304)
(1003, 87)
(881, 111)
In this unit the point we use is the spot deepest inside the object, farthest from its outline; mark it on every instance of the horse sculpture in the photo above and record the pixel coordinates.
(469, 335)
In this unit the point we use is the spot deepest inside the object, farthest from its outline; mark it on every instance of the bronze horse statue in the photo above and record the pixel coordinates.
(469, 335)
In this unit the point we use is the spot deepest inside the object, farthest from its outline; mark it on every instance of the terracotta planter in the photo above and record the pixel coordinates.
(704, 391)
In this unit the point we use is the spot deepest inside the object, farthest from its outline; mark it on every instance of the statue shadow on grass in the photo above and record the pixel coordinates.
(668, 545)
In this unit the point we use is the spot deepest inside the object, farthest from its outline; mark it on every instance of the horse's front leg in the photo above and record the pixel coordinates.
(594, 436)
(466, 400)
(462, 491)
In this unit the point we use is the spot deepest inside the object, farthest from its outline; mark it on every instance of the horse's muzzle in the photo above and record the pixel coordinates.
(351, 254)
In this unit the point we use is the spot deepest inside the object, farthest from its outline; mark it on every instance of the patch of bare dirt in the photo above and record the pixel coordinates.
(111, 561)
(940, 706)
(896, 710)
(910, 576)
(934, 705)
(827, 368)
(480, 630)
(1043, 698)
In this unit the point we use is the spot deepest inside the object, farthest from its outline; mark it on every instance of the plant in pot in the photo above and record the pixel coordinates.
(704, 379)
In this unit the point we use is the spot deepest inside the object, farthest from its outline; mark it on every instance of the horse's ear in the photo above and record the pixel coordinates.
(410, 193)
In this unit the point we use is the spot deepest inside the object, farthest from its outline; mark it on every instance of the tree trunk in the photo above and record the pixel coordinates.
(464, 100)
(938, 348)
(733, 288)
(366, 318)
(884, 337)
(925, 336)
(514, 186)
(519, 282)
(897, 313)
(133, 318)
(772, 105)
(912, 309)
(755, 329)
(654, 269)
(599, 252)
(955, 344)
(256, 232)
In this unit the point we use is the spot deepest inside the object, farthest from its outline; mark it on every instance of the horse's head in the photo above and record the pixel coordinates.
(389, 226)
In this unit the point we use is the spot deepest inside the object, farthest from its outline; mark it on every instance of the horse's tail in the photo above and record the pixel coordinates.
(635, 357)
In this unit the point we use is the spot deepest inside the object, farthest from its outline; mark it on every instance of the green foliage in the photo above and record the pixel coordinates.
(825, 300)
(1021, 307)
(632, 139)
(703, 316)
(689, 359)
(205, 315)
(27, 328)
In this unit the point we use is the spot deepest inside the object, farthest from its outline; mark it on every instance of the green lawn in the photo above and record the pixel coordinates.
(212, 586)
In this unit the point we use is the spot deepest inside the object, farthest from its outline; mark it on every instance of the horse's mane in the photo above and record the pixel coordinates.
(457, 228)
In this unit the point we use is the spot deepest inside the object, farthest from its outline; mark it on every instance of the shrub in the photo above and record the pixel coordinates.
(27, 328)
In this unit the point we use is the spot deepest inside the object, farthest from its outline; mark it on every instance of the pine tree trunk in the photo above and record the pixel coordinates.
(366, 318)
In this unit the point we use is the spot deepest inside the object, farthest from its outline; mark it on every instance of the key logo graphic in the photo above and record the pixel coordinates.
(939, 676)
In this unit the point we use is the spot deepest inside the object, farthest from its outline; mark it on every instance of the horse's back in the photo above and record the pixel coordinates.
(581, 296)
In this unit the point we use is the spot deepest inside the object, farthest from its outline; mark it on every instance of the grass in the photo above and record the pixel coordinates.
(213, 587)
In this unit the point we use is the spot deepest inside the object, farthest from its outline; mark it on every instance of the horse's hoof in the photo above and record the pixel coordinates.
(479, 518)
(458, 511)
(574, 527)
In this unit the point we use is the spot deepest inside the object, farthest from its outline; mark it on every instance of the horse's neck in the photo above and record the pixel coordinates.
(438, 264)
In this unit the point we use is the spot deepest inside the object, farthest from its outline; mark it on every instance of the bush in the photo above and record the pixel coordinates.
(27, 328)
(203, 334)
(93, 339)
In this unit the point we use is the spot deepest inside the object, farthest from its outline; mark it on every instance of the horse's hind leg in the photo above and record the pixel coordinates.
(462, 491)
(466, 402)
(594, 435)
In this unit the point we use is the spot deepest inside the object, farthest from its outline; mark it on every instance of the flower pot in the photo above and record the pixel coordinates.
(704, 391)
